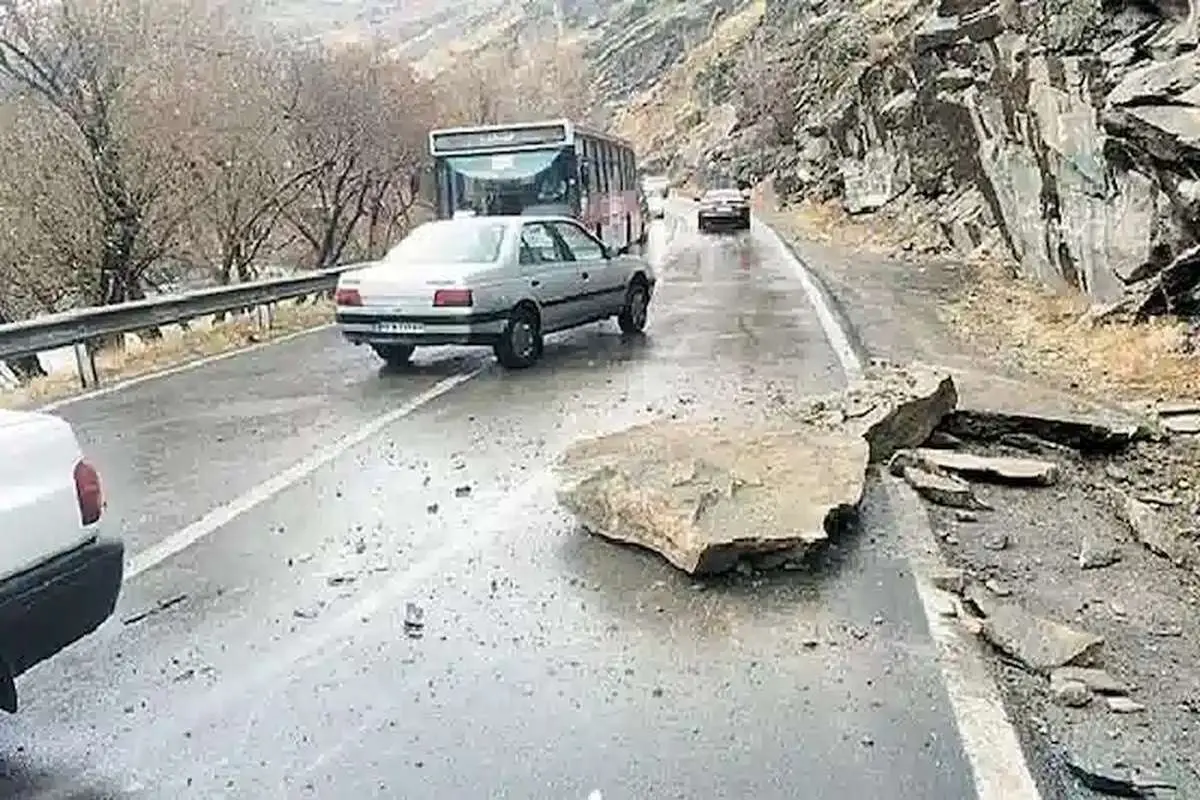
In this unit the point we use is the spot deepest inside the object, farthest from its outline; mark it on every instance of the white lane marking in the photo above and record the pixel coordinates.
(989, 738)
(223, 515)
(175, 370)
(991, 741)
(839, 340)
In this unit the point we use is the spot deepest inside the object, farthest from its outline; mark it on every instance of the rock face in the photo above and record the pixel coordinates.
(1067, 133)
(705, 496)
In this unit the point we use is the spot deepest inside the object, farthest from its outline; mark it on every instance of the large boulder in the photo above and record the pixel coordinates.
(705, 495)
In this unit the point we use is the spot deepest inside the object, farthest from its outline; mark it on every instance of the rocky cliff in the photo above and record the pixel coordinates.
(1070, 130)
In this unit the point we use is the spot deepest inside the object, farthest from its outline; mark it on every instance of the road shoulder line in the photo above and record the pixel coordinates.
(167, 372)
(222, 515)
(990, 740)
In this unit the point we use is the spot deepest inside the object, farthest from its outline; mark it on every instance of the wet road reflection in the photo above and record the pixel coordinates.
(551, 664)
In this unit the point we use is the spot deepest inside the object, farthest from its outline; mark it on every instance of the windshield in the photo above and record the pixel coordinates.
(451, 241)
(508, 183)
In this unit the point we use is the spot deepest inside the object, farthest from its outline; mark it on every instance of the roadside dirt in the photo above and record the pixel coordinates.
(1032, 352)
(176, 348)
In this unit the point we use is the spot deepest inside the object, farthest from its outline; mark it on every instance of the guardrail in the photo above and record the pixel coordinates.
(77, 327)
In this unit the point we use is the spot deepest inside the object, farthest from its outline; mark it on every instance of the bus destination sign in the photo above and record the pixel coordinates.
(487, 140)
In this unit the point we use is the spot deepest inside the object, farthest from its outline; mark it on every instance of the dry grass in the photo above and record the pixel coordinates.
(1050, 335)
(889, 231)
(186, 346)
(1018, 322)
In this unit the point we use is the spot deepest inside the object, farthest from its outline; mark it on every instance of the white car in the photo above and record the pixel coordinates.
(502, 282)
(59, 579)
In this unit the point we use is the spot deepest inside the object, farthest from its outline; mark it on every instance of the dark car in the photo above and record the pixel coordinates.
(723, 208)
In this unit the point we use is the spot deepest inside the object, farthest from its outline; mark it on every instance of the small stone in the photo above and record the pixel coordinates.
(943, 490)
(950, 580)
(1096, 553)
(997, 588)
(1095, 679)
(432, 508)
(305, 613)
(996, 541)
(1116, 473)
(462, 491)
(1072, 694)
(963, 515)
(1119, 704)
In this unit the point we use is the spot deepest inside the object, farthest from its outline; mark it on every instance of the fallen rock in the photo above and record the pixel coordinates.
(1097, 680)
(951, 580)
(1097, 553)
(1184, 424)
(1088, 434)
(1002, 469)
(1101, 770)
(1040, 644)
(1148, 527)
(703, 496)
(944, 490)
(1072, 694)
(1123, 705)
(892, 407)
(910, 403)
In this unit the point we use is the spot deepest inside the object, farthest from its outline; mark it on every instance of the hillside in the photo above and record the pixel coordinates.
(1064, 134)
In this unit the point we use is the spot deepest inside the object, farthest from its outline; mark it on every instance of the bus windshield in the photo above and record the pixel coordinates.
(508, 183)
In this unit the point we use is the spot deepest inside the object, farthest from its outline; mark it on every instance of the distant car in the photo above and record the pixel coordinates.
(59, 579)
(723, 208)
(502, 282)
(657, 205)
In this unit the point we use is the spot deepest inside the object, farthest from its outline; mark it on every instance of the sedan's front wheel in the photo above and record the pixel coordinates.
(520, 344)
(394, 355)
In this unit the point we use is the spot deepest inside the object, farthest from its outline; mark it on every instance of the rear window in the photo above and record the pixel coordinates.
(451, 241)
(724, 194)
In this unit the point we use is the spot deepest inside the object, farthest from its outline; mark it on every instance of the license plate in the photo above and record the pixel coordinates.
(724, 209)
(399, 327)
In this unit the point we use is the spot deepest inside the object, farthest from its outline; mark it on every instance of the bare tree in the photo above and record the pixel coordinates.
(353, 126)
(239, 159)
(86, 61)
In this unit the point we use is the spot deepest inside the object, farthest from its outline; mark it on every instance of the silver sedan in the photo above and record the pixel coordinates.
(503, 282)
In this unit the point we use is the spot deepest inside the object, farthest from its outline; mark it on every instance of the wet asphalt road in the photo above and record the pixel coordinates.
(551, 664)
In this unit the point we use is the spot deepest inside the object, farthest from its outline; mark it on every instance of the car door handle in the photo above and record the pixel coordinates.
(535, 283)
(585, 276)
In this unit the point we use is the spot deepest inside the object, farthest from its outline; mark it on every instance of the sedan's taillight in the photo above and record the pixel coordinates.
(88, 492)
(453, 298)
(347, 297)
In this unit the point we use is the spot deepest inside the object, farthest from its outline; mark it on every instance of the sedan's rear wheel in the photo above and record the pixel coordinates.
(632, 318)
(520, 344)
(394, 355)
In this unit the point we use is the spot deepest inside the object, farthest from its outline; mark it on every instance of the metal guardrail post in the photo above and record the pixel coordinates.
(85, 364)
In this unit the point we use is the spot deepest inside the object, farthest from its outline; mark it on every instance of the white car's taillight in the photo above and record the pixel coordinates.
(89, 493)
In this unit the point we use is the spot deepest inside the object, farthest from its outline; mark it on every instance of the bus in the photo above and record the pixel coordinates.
(549, 167)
